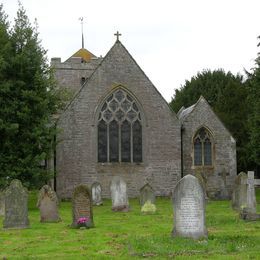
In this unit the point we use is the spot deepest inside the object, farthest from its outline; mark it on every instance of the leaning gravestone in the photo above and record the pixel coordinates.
(147, 194)
(96, 194)
(119, 194)
(16, 206)
(2, 204)
(82, 205)
(48, 205)
(189, 209)
(239, 195)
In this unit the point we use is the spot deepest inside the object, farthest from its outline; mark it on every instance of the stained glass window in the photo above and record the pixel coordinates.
(119, 129)
(202, 145)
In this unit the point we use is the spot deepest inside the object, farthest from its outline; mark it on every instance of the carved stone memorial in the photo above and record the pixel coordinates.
(82, 205)
(96, 194)
(48, 205)
(119, 194)
(189, 209)
(249, 211)
(147, 194)
(239, 195)
(16, 206)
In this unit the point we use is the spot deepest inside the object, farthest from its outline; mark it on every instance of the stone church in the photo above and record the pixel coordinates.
(118, 124)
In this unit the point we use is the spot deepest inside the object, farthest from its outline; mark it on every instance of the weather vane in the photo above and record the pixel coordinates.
(82, 37)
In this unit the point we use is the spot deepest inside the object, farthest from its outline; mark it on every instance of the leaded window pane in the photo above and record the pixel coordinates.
(102, 141)
(113, 142)
(118, 113)
(113, 105)
(207, 152)
(125, 142)
(197, 152)
(137, 142)
(131, 115)
(119, 95)
(126, 105)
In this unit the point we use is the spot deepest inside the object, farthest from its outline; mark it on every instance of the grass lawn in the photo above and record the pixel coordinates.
(132, 235)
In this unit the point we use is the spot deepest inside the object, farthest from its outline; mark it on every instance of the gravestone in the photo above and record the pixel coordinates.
(147, 194)
(119, 194)
(239, 195)
(2, 204)
(189, 208)
(223, 192)
(96, 194)
(249, 211)
(16, 206)
(48, 205)
(82, 205)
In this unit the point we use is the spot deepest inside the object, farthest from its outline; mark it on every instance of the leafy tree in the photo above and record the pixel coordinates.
(226, 93)
(28, 99)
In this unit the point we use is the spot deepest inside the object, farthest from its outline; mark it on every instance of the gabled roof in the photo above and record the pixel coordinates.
(84, 54)
(113, 50)
(184, 112)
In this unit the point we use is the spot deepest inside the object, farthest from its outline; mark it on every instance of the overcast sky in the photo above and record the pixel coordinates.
(170, 39)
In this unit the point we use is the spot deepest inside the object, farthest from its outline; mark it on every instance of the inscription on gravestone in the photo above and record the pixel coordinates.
(16, 206)
(190, 214)
(82, 205)
(189, 208)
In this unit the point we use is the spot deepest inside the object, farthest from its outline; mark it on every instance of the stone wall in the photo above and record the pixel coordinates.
(69, 74)
(76, 153)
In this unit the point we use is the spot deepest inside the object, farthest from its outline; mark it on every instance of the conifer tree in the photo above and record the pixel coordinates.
(28, 101)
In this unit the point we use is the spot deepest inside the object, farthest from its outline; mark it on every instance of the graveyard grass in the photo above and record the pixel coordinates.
(132, 235)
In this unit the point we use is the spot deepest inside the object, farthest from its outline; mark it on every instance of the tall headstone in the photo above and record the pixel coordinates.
(147, 194)
(189, 209)
(96, 194)
(249, 211)
(48, 205)
(82, 205)
(239, 195)
(119, 194)
(2, 204)
(16, 206)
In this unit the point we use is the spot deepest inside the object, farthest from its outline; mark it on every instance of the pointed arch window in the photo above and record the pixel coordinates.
(119, 129)
(202, 147)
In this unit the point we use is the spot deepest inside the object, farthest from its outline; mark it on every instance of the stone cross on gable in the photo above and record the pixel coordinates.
(117, 34)
(251, 182)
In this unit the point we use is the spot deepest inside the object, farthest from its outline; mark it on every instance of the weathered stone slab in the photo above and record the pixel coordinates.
(16, 206)
(96, 194)
(147, 194)
(248, 212)
(82, 205)
(189, 209)
(239, 195)
(48, 205)
(2, 204)
(119, 194)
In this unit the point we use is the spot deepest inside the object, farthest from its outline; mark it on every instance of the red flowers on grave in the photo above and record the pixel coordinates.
(83, 222)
